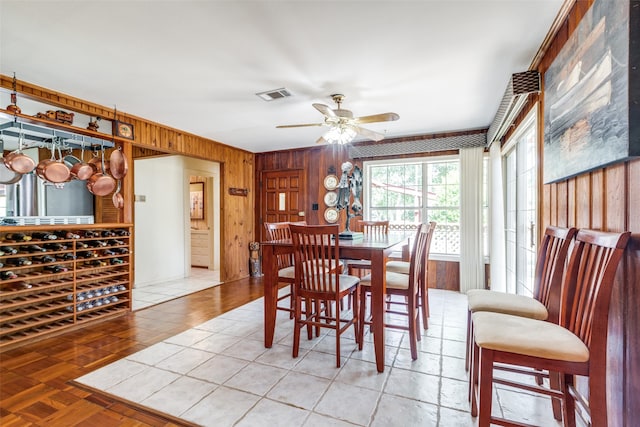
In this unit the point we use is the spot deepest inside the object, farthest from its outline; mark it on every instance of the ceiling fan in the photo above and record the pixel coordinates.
(343, 127)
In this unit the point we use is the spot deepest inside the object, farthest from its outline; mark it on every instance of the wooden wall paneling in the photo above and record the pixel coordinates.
(583, 201)
(553, 204)
(571, 202)
(597, 199)
(616, 221)
(561, 202)
(631, 390)
(237, 169)
(545, 201)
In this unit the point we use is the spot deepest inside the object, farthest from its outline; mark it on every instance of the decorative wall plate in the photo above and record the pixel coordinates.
(331, 182)
(331, 215)
(331, 198)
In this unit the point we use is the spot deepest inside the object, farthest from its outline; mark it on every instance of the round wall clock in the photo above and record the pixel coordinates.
(331, 215)
(331, 182)
(331, 198)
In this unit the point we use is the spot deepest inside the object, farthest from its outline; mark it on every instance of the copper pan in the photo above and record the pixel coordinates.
(117, 198)
(7, 176)
(101, 184)
(79, 168)
(118, 164)
(19, 162)
(53, 170)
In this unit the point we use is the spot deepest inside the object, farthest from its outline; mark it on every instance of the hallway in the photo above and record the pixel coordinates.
(200, 279)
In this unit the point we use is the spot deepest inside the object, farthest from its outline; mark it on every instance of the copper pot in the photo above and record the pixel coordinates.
(7, 176)
(19, 162)
(100, 183)
(79, 169)
(53, 170)
(117, 198)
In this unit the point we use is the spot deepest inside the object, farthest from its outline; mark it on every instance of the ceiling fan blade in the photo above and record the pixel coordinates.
(375, 136)
(299, 126)
(383, 117)
(324, 109)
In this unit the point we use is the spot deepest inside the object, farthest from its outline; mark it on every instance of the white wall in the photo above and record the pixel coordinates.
(159, 221)
(162, 221)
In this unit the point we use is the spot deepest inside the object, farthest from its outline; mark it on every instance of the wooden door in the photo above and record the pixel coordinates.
(281, 197)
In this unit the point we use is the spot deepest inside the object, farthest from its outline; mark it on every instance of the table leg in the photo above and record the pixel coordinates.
(378, 291)
(270, 284)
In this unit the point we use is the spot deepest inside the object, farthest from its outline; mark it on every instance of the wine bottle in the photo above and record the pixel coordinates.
(66, 256)
(56, 268)
(108, 252)
(8, 275)
(96, 263)
(33, 248)
(120, 251)
(90, 233)
(87, 254)
(19, 261)
(43, 235)
(17, 237)
(63, 234)
(8, 250)
(55, 246)
(116, 261)
(116, 242)
(43, 259)
(108, 233)
(96, 243)
(121, 232)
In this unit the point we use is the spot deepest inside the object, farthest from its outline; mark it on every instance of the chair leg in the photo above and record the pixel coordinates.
(569, 407)
(308, 309)
(556, 403)
(356, 316)
(473, 378)
(297, 326)
(411, 308)
(485, 386)
(361, 315)
(467, 355)
(292, 299)
(597, 399)
(424, 302)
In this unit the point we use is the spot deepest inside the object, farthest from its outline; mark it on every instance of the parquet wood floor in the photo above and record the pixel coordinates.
(34, 378)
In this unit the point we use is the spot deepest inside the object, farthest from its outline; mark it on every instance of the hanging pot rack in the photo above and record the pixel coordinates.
(38, 135)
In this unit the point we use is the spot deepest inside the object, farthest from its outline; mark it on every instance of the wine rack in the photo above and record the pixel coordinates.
(55, 277)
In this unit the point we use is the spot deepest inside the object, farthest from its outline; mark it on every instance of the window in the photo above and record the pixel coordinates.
(412, 191)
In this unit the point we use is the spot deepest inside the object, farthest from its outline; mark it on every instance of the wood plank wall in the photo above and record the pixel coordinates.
(237, 213)
(606, 199)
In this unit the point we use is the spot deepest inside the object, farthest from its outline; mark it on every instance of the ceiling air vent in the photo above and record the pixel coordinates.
(270, 95)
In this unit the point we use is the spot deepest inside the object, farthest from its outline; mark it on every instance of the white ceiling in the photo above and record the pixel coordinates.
(442, 65)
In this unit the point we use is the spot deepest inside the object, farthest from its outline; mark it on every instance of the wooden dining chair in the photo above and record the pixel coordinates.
(315, 249)
(402, 267)
(371, 228)
(575, 346)
(286, 269)
(545, 303)
(404, 285)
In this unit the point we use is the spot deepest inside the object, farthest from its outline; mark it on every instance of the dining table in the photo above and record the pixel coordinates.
(375, 248)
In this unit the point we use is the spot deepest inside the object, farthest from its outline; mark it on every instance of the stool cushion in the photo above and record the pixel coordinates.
(521, 335)
(401, 267)
(394, 280)
(502, 302)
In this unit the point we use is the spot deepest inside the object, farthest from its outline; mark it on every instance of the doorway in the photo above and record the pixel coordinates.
(163, 228)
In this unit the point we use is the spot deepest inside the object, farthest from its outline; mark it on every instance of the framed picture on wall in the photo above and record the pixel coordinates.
(196, 200)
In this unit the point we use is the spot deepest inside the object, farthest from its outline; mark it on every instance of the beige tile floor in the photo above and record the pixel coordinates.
(199, 279)
(220, 374)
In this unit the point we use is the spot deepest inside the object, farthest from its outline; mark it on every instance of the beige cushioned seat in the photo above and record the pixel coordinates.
(502, 302)
(521, 335)
(394, 280)
(401, 267)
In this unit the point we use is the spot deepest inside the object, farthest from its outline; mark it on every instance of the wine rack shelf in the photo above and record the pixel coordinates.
(56, 277)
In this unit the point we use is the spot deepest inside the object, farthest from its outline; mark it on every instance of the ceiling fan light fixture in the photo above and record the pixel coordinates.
(340, 135)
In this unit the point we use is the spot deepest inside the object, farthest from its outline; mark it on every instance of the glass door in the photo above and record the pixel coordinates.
(521, 208)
